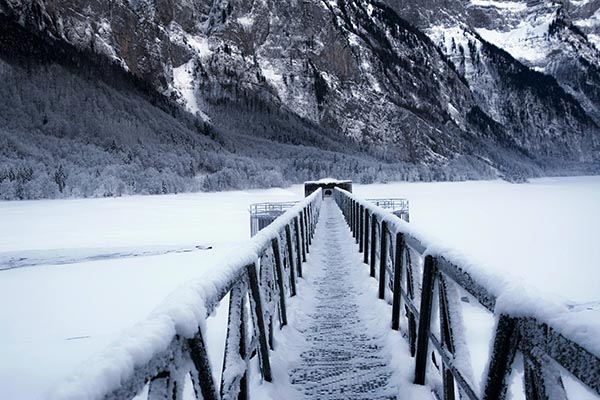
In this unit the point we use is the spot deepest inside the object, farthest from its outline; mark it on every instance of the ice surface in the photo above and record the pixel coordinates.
(533, 246)
(543, 234)
(34, 258)
(181, 313)
(61, 315)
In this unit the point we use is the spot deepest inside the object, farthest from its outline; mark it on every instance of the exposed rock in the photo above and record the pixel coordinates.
(424, 92)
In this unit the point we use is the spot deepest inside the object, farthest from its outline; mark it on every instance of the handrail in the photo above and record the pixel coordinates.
(390, 247)
(398, 207)
(170, 344)
(262, 208)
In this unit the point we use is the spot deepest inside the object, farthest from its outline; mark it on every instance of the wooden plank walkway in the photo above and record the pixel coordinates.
(344, 360)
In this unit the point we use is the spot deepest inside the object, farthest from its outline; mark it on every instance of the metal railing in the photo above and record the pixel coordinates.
(258, 284)
(267, 208)
(262, 214)
(398, 207)
(403, 264)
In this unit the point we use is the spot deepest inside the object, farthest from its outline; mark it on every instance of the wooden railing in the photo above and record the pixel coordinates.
(258, 285)
(414, 277)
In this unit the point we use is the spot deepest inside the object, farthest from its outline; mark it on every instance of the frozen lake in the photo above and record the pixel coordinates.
(82, 271)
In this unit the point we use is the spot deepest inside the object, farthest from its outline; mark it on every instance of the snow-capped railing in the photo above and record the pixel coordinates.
(169, 347)
(404, 261)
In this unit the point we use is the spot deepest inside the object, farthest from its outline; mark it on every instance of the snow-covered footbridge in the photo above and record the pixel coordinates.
(376, 311)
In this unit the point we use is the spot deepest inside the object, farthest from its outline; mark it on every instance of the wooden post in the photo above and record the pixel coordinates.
(410, 291)
(352, 216)
(361, 227)
(373, 243)
(429, 273)
(202, 365)
(303, 236)
(244, 382)
(263, 349)
(346, 202)
(270, 338)
(446, 338)
(279, 276)
(309, 226)
(290, 250)
(298, 244)
(306, 233)
(503, 354)
(356, 222)
(235, 345)
(313, 222)
(160, 387)
(382, 259)
(366, 238)
(542, 377)
(398, 261)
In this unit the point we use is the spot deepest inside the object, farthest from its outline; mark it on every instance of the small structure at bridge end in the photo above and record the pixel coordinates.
(327, 184)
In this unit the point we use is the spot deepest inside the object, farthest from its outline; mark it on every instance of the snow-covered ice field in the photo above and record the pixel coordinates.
(82, 271)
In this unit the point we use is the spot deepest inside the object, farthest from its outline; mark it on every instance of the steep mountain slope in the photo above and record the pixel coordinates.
(356, 70)
(547, 37)
(536, 108)
(349, 76)
(72, 124)
(558, 38)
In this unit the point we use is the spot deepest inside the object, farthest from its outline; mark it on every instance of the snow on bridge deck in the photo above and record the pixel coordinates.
(345, 358)
(337, 344)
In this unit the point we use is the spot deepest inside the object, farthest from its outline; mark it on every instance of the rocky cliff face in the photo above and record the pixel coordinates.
(423, 93)
(557, 38)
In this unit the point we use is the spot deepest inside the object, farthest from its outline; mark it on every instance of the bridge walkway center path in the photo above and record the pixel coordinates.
(349, 350)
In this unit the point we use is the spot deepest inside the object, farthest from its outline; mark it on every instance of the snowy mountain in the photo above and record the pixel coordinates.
(468, 88)
(557, 38)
